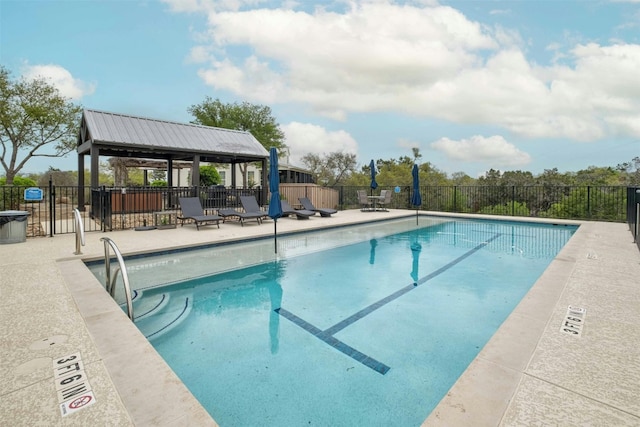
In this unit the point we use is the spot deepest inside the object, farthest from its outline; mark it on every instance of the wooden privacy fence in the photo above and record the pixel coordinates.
(321, 197)
(136, 201)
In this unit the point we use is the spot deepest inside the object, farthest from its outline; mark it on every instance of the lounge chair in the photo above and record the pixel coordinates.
(385, 199)
(241, 216)
(300, 214)
(250, 206)
(365, 202)
(192, 209)
(306, 203)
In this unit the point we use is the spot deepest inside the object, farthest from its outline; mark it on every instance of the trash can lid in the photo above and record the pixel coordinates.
(13, 213)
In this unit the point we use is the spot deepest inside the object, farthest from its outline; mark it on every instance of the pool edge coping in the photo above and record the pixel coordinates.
(463, 405)
(179, 398)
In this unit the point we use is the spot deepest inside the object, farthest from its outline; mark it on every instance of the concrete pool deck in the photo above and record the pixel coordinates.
(529, 373)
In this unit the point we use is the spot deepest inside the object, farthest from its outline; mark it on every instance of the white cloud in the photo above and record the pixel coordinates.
(192, 6)
(199, 55)
(306, 138)
(61, 78)
(426, 61)
(369, 58)
(494, 151)
(406, 143)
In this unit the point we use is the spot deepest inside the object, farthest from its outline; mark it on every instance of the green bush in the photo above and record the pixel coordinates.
(209, 176)
(511, 208)
(12, 196)
(19, 181)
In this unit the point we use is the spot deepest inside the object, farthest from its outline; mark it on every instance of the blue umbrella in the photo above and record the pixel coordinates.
(275, 207)
(374, 184)
(416, 200)
(372, 252)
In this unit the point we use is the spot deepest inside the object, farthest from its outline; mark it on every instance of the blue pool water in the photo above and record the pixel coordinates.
(368, 325)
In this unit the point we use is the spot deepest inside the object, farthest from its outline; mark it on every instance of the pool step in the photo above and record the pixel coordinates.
(167, 315)
(147, 306)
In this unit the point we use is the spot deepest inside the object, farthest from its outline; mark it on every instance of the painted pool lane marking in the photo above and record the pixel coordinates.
(346, 349)
(368, 310)
(376, 305)
(327, 334)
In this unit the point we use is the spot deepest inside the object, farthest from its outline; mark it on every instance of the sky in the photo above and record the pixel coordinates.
(474, 85)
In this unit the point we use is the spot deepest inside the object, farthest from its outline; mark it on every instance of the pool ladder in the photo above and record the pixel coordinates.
(79, 231)
(122, 269)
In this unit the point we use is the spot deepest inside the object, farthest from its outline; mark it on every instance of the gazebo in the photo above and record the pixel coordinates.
(119, 135)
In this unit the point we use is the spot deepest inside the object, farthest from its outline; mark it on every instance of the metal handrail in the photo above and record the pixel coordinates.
(79, 231)
(110, 285)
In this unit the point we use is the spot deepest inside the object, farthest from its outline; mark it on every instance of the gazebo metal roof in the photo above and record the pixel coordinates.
(119, 135)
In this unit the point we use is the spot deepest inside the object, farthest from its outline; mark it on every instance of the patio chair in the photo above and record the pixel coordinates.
(365, 202)
(385, 199)
(250, 206)
(229, 213)
(306, 203)
(287, 210)
(192, 209)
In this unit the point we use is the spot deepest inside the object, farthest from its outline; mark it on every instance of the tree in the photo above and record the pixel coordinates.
(124, 176)
(331, 170)
(209, 176)
(631, 171)
(19, 181)
(510, 208)
(159, 175)
(430, 175)
(416, 154)
(582, 203)
(461, 178)
(34, 117)
(256, 119)
(58, 177)
(594, 175)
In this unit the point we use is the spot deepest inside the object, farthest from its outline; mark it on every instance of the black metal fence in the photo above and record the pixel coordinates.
(109, 208)
(598, 203)
(633, 213)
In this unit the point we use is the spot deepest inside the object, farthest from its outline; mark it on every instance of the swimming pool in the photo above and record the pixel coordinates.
(357, 326)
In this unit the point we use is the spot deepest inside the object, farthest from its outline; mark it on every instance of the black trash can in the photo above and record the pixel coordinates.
(13, 226)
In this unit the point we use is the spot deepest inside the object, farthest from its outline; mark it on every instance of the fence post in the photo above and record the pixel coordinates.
(589, 201)
(103, 207)
(635, 236)
(513, 200)
(637, 200)
(52, 207)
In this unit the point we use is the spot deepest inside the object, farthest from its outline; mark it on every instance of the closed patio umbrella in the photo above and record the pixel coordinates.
(374, 184)
(416, 248)
(416, 200)
(275, 207)
(372, 252)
